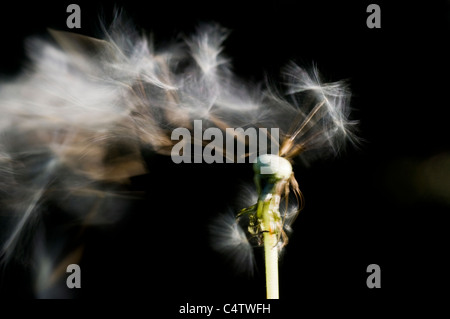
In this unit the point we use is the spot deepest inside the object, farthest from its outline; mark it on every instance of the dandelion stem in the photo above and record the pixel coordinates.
(271, 259)
(271, 173)
(270, 252)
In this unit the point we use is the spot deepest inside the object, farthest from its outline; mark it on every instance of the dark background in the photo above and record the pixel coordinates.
(361, 208)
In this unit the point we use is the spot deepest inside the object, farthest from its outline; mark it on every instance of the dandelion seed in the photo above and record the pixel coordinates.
(228, 238)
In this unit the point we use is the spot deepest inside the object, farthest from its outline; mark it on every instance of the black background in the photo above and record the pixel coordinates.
(360, 208)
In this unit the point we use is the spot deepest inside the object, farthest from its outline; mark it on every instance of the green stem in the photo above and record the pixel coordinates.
(270, 171)
(270, 248)
(271, 260)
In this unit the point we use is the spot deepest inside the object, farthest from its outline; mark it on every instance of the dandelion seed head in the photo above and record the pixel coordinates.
(76, 120)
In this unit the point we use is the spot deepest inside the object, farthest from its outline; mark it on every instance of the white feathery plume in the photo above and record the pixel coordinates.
(206, 48)
(324, 108)
(230, 239)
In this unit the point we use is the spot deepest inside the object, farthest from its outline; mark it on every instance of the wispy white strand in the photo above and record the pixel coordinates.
(229, 239)
(334, 120)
